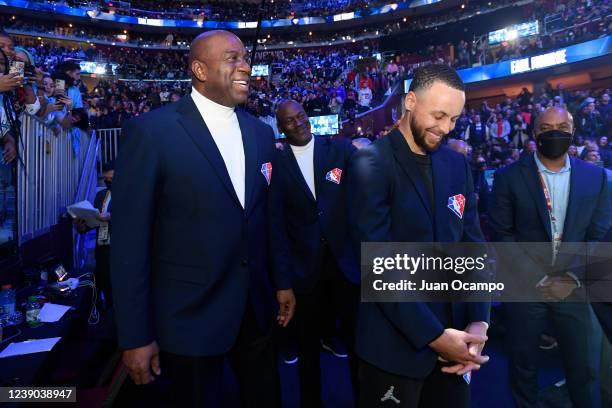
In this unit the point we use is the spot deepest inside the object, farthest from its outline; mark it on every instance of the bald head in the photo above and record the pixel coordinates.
(555, 118)
(285, 106)
(219, 67)
(203, 45)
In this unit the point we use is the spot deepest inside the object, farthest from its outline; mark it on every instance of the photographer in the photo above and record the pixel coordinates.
(35, 103)
(59, 106)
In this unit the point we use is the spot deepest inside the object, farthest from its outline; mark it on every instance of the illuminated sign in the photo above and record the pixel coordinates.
(599, 47)
(538, 62)
(344, 16)
(514, 32)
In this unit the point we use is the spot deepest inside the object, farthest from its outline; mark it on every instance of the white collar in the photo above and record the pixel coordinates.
(307, 146)
(210, 109)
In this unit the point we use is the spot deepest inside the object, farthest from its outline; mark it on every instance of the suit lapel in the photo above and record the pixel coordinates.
(196, 128)
(575, 185)
(251, 170)
(534, 185)
(320, 154)
(294, 169)
(404, 157)
(441, 179)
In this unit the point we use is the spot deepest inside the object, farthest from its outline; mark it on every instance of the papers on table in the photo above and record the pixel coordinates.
(86, 211)
(50, 312)
(29, 347)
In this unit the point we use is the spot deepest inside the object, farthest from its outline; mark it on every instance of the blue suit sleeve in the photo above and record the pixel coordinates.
(501, 211)
(279, 247)
(135, 197)
(476, 311)
(600, 222)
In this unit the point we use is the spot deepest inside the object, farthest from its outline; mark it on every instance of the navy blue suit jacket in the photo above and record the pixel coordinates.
(388, 202)
(518, 211)
(304, 224)
(185, 255)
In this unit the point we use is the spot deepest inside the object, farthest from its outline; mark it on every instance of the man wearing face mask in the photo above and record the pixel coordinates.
(551, 197)
(103, 236)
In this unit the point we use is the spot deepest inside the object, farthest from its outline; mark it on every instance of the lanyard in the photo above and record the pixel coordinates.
(556, 241)
(547, 196)
(106, 201)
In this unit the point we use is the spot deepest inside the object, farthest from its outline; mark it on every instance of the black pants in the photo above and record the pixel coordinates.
(103, 283)
(198, 381)
(580, 339)
(380, 389)
(333, 297)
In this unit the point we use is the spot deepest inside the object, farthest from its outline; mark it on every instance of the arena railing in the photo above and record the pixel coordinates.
(109, 145)
(87, 189)
(48, 174)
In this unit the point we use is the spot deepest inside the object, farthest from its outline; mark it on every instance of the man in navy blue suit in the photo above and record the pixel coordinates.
(417, 354)
(312, 243)
(189, 262)
(551, 197)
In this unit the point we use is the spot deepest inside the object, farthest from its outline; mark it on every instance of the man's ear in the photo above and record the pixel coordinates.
(410, 101)
(199, 70)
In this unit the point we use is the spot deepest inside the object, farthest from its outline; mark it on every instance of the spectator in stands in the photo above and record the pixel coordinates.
(499, 129)
(530, 148)
(365, 95)
(335, 103)
(605, 107)
(164, 96)
(588, 121)
(73, 71)
(520, 133)
(476, 133)
(524, 97)
(604, 151)
(392, 68)
(350, 105)
(58, 106)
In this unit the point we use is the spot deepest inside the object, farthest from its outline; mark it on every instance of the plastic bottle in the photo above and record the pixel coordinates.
(32, 311)
(7, 300)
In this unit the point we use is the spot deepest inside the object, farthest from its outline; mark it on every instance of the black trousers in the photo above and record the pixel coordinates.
(381, 389)
(580, 340)
(333, 298)
(103, 283)
(198, 381)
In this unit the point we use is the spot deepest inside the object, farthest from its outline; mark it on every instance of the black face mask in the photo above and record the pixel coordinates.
(108, 183)
(553, 144)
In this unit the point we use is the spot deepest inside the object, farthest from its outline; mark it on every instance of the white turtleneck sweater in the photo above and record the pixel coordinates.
(223, 125)
(305, 159)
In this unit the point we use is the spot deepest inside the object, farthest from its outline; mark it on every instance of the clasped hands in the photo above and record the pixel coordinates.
(462, 347)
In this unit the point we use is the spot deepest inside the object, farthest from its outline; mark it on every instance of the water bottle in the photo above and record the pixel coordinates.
(7, 301)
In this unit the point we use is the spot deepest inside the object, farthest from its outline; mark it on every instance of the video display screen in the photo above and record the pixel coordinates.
(260, 70)
(98, 68)
(324, 125)
(321, 126)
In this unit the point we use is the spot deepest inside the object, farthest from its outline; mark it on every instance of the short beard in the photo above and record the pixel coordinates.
(418, 135)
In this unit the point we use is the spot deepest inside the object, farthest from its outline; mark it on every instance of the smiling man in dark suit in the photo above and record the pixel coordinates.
(400, 190)
(189, 265)
(311, 242)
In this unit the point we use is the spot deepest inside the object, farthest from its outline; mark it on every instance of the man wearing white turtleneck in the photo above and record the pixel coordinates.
(191, 208)
(304, 155)
(225, 130)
